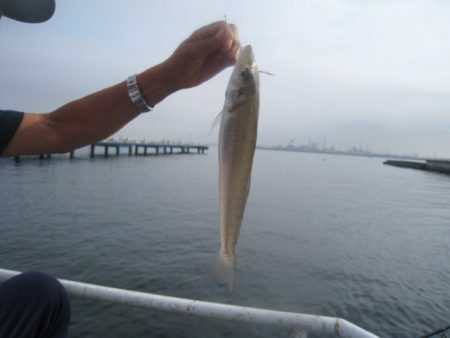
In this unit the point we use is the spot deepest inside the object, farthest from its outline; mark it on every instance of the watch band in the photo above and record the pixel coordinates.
(135, 95)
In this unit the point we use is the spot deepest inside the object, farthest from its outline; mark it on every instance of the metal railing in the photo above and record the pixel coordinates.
(300, 324)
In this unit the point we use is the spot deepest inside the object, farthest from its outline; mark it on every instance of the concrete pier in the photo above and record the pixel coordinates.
(442, 166)
(439, 166)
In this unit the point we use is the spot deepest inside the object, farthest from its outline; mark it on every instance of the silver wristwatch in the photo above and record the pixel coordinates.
(135, 95)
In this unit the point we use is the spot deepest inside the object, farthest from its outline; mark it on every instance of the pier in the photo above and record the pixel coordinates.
(147, 148)
(136, 149)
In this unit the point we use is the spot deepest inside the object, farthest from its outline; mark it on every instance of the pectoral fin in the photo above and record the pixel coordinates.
(216, 121)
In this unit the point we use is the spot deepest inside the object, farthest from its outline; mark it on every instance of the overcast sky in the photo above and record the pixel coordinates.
(375, 73)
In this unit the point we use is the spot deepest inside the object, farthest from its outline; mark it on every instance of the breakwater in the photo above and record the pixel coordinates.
(441, 166)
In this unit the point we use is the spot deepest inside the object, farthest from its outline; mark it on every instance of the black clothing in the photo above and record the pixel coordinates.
(9, 122)
(33, 305)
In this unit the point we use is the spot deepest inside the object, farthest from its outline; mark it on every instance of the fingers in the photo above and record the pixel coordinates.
(208, 31)
(217, 36)
(224, 39)
(229, 38)
(236, 45)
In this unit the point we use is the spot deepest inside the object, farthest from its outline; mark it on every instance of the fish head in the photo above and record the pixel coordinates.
(246, 60)
(244, 81)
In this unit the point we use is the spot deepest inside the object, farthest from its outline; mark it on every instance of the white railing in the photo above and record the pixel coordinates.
(299, 323)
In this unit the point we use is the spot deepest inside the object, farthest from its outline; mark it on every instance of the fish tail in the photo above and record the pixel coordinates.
(224, 269)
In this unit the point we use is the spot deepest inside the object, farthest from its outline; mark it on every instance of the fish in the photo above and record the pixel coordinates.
(237, 143)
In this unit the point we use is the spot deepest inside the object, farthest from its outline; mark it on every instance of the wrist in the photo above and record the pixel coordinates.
(156, 84)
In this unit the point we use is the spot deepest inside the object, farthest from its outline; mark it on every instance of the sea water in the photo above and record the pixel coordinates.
(329, 235)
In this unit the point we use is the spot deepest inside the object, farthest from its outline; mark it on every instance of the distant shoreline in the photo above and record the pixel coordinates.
(344, 153)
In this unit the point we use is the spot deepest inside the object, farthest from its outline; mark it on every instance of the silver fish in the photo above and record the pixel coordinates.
(237, 141)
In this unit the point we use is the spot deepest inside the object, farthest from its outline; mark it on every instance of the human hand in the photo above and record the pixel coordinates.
(205, 53)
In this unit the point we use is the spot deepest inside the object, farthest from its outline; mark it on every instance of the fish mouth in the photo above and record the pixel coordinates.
(246, 58)
(247, 49)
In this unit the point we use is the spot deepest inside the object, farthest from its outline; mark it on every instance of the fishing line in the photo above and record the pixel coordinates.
(225, 16)
(226, 10)
(441, 331)
(431, 125)
(266, 72)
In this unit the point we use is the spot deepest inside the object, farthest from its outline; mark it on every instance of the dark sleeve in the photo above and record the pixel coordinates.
(9, 122)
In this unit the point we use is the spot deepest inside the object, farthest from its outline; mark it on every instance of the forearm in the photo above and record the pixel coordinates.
(89, 119)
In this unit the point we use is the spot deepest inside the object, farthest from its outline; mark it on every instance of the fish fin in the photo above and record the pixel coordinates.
(224, 269)
(216, 121)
